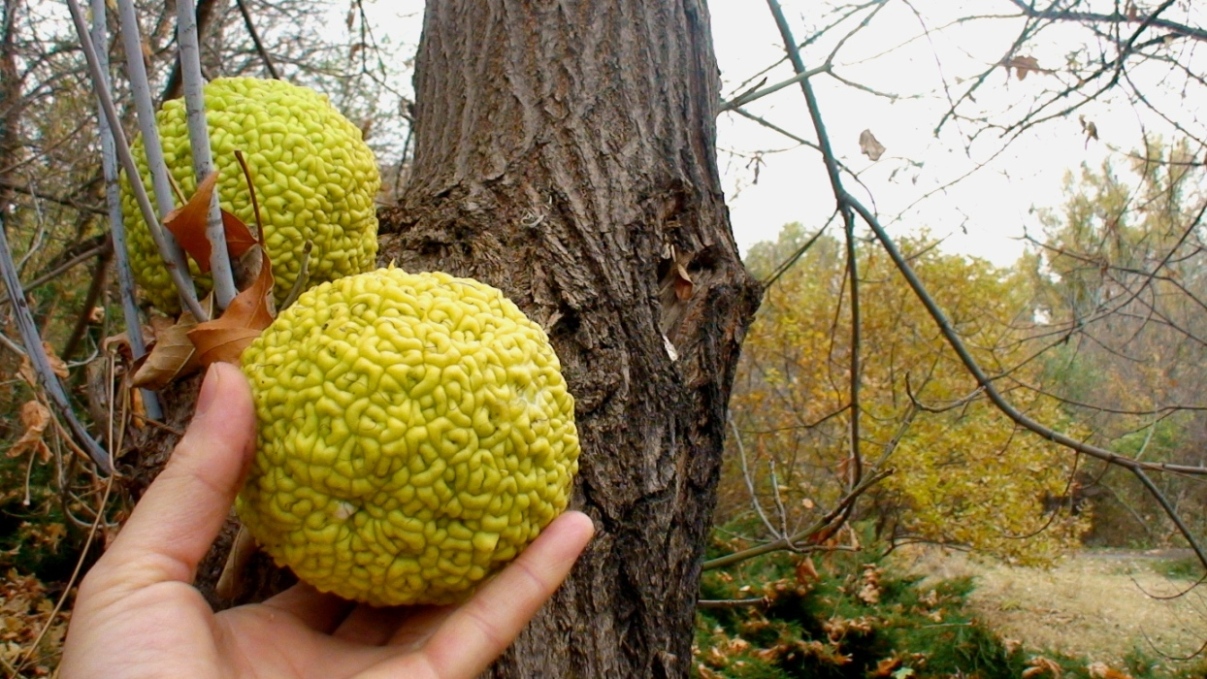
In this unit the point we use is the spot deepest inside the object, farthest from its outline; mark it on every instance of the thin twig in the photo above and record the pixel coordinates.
(113, 444)
(42, 195)
(835, 515)
(749, 478)
(255, 39)
(747, 97)
(953, 339)
(144, 108)
(43, 279)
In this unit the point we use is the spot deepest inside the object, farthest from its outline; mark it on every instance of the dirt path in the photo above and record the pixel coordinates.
(1101, 606)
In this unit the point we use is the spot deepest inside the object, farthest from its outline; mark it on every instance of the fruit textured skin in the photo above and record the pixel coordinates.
(315, 180)
(415, 434)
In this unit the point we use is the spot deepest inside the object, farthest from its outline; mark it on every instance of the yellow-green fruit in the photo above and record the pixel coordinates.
(314, 177)
(415, 434)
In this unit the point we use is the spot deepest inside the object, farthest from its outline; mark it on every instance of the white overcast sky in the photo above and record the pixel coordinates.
(982, 214)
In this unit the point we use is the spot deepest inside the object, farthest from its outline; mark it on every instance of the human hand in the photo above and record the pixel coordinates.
(137, 614)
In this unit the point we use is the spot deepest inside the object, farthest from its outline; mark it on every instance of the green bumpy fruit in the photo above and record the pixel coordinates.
(415, 434)
(314, 177)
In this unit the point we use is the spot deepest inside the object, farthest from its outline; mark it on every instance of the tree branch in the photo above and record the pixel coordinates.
(255, 38)
(848, 220)
(1151, 19)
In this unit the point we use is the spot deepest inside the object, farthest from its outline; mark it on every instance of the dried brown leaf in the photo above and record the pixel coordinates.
(26, 370)
(246, 267)
(239, 238)
(1100, 670)
(172, 355)
(886, 666)
(869, 594)
(1040, 665)
(870, 146)
(35, 417)
(1023, 66)
(224, 338)
(56, 363)
(806, 572)
(683, 284)
(188, 223)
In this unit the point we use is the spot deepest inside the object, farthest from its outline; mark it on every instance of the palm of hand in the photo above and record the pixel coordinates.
(137, 615)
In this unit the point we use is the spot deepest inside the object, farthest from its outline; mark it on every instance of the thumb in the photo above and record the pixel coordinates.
(182, 511)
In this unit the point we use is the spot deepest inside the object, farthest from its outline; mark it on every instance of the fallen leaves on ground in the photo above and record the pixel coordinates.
(25, 608)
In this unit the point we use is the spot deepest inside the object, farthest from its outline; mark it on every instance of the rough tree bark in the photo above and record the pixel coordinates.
(566, 155)
(11, 101)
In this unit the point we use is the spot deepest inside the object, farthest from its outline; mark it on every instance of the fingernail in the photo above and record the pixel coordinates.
(209, 391)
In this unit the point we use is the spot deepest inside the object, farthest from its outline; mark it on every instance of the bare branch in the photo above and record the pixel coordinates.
(1117, 18)
(834, 518)
(255, 38)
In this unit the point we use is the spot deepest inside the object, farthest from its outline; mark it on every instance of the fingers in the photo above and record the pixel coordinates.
(314, 609)
(172, 527)
(372, 626)
(478, 632)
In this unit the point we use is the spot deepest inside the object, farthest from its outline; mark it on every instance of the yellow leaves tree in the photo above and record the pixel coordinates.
(963, 473)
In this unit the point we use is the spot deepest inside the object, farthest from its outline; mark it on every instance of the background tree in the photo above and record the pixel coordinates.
(962, 473)
(1119, 270)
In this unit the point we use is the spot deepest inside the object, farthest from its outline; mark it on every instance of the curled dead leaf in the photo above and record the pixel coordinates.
(806, 572)
(224, 338)
(1089, 129)
(1040, 665)
(188, 224)
(683, 283)
(57, 366)
(56, 363)
(172, 355)
(1023, 66)
(887, 666)
(35, 417)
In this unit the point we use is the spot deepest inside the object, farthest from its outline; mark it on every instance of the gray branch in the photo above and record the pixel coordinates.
(40, 362)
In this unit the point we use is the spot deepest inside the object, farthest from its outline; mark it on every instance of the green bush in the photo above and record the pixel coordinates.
(848, 615)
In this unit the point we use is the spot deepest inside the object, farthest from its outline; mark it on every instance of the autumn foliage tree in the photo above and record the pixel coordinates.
(1120, 283)
(962, 473)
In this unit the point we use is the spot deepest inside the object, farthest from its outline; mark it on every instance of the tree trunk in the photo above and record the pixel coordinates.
(566, 155)
(11, 99)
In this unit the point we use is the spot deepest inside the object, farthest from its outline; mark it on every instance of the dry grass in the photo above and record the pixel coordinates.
(1097, 606)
